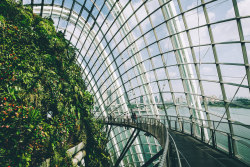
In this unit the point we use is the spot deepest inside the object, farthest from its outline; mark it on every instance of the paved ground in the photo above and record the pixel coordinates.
(200, 155)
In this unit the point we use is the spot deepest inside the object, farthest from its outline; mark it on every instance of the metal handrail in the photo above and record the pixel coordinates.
(188, 118)
(144, 123)
(229, 149)
(185, 119)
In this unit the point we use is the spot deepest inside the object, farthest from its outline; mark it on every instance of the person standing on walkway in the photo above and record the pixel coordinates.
(124, 117)
(132, 117)
(112, 116)
(127, 118)
(135, 117)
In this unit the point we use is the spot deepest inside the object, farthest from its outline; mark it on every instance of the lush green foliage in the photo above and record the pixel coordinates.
(38, 75)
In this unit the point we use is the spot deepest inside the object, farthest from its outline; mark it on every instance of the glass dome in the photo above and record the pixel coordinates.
(166, 59)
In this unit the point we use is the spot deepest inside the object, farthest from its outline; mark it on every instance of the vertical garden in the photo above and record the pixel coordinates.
(44, 106)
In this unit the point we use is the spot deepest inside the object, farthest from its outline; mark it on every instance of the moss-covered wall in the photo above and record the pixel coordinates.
(38, 74)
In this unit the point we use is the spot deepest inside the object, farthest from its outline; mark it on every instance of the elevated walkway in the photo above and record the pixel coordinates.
(189, 151)
(148, 125)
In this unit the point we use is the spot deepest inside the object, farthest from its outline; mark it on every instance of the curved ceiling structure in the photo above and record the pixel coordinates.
(159, 58)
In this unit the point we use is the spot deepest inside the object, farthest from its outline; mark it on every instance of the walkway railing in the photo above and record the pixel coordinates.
(236, 145)
(155, 128)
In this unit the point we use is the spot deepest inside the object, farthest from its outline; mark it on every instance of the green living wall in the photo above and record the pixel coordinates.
(45, 108)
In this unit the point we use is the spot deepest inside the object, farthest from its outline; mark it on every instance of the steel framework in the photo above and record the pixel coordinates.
(163, 59)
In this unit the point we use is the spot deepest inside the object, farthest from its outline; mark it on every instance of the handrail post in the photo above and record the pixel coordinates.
(213, 125)
(202, 133)
(191, 128)
(230, 151)
(234, 151)
(176, 125)
(213, 138)
(182, 126)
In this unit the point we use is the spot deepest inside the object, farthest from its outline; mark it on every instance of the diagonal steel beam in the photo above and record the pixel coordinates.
(128, 145)
(153, 158)
(109, 131)
(156, 165)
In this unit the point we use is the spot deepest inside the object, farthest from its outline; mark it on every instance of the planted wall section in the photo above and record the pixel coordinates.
(44, 105)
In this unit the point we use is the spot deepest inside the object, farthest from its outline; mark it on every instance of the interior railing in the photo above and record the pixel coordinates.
(236, 145)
